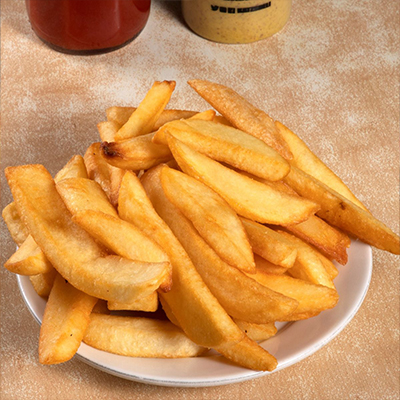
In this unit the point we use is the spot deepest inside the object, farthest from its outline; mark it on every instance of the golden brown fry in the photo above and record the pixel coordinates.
(120, 115)
(257, 332)
(28, 260)
(105, 174)
(306, 160)
(192, 304)
(344, 214)
(312, 298)
(308, 265)
(69, 248)
(65, 319)
(144, 118)
(249, 198)
(107, 130)
(314, 230)
(242, 114)
(148, 304)
(81, 194)
(125, 240)
(270, 244)
(267, 267)
(18, 231)
(43, 283)
(207, 115)
(213, 218)
(75, 167)
(136, 153)
(139, 337)
(227, 144)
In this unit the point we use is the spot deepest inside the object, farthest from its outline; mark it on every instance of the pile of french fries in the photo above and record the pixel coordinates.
(223, 219)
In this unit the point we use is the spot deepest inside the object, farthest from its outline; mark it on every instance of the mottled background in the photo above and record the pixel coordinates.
(332, 76)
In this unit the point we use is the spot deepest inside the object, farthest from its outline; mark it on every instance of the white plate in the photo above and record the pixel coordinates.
(293, 342)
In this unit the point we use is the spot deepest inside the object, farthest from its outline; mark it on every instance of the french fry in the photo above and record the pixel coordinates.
(213, 218)
(266, 266)
(28, 260)
(65, 319)
(312, 298)
(308, 265)
(144, 118)
(257, 332)
(120, 115)
(242, 114)
(81, 194)
(107, 130)
(237, 294)
(229, 145)
(139, 337)
(249, 198)
(269, 244)
(124, 239)
(342, 213)
(307, 161)
(106, 175)
(136, 153)
(42, 283)
(197, 311)
(331, 241)
(75, 167)
(18, 231)
(148, 304)
(69, 248)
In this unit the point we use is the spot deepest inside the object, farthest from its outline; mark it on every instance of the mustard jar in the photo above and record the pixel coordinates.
(236, 21)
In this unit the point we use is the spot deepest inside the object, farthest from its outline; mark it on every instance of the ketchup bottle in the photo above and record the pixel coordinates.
(87, 26)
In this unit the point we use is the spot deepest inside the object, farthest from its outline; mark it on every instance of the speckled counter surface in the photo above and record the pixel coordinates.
(332, 76)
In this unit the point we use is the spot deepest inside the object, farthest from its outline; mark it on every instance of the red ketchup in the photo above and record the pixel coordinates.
(87, 26)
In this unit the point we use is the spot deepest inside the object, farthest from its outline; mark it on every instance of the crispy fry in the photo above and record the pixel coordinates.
(148, 303)
(241, 114)
(108, 130)
(75, 167)
(18, 231)
(249, 198)
(266, 266)
(308, 265)
(143, 119)
(229, 145)
(136, 153)
(42, 283)
(306, 160)
(257, 332)
(314, 230)
(312, 298)
(124, 239)
(120, 115)
(269, 244)
(213, 218)
(28, 260)
(139, 337)
(81, 194)
(65, 320)
(105, 174)
(344, 214)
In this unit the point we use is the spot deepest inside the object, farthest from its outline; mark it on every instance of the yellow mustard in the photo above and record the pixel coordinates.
(236, 21)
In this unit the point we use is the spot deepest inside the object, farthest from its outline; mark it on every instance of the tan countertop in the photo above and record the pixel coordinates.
(331, 76)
